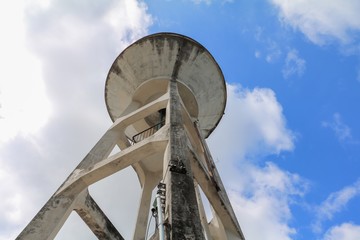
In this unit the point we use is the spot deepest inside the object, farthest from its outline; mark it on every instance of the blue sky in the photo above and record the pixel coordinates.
(288, 147)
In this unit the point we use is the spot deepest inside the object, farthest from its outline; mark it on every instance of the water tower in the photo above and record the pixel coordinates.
(165, 94)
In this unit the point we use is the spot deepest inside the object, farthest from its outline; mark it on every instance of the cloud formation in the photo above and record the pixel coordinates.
(322, 21)
(336, 202)
(64, 49)
(257, 124)
(271, 50)
(345, 231)
(24, 107)
(294, 65)
(264, 200)
(262, 194)
(341, 130)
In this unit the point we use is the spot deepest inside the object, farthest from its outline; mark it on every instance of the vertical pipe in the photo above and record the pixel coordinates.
(160, 218)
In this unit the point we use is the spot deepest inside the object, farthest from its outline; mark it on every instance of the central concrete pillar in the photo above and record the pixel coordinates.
(182, 211)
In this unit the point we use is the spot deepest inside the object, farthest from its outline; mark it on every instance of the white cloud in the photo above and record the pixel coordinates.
(264, 201)
(57, 54)
(134, 14)
(323, 20)
(24, 107)
(254, 126)
(13, 203)
(272, 51)
(335, 203)
(294, 65)
(345, 231)
(341, 130)
(257, 124)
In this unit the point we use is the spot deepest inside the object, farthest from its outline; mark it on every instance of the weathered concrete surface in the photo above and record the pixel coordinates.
(162, 71)
(46, 224)
(216, 183)
(95, 218)
(202, 213)
(96, 166)
(145, 203)
(154, 58)
(183, 213)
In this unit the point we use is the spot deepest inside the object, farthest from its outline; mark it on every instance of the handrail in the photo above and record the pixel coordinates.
(147, 132)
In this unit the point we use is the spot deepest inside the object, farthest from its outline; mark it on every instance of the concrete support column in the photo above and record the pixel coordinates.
(47, 223)
(143, 211)
(95, 218)
(182, 209)
(216, 226)
(203, 218)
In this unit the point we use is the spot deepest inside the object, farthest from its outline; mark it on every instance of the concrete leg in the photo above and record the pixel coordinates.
(47, 223)
(95, 218)
(216, 226)
(202, 213)
(144, 208)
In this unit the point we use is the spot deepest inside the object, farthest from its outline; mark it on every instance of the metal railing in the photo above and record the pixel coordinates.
(147, 132)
